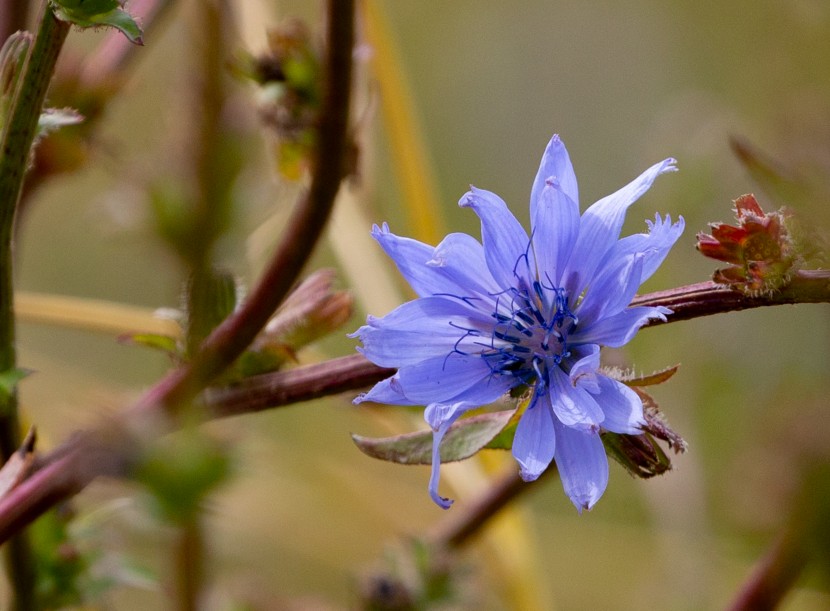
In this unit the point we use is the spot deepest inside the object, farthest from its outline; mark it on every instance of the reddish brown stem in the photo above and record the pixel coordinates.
(773, 576)
(288, 387)
(707, 298)
(67, 473)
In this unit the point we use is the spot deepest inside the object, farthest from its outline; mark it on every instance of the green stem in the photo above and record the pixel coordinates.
(210, 204)
(18, 135)
(189, 564)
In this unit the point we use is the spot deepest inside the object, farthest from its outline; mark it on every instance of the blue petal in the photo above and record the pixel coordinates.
(573, 406)
(612, 289)
(622, 406)
(615, 331)
(422, 329)
(387, 391)
(413, 259)
(601, 224)
(654, 245)
(535, 441)
(583, 466)
(556, 163)
(583, 372)
(440, 417)
(455, 377)
(505, 241)
(555, 222)
(460, 258)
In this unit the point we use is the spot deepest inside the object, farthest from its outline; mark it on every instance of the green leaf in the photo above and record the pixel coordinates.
(465, 438)
(9, 380)
(181, 470)
(165, 343)
(98, 13)
(255, 362)
(504, 440)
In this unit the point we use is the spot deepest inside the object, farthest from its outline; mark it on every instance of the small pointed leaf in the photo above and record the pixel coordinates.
(19, 464)
(658, 377)
(9, 380)
(165, 343)
(464, 438)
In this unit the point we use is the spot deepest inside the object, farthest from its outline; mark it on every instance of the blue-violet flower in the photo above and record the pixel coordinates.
(519, 311)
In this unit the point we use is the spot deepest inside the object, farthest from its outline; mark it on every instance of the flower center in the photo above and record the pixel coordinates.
(530, 336)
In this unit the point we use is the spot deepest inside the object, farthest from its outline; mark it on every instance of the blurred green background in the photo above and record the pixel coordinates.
(625, 84)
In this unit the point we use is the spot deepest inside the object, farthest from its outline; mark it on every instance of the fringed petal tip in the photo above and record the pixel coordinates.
(660, 222)
(668, 165)
(380, 230)
(465, 201)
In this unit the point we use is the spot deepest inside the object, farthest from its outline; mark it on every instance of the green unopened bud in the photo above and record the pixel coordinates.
(289, 73)
(12, 56)
(640, 455)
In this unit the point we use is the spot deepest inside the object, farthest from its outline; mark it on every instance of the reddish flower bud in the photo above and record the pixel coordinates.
(759, 248)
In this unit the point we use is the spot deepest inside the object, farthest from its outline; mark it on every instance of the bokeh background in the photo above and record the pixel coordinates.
(625, 84)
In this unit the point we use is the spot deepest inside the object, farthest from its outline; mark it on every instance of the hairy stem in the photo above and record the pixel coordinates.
(65, 471)
(707, 298)
(282, 388)
(18, 135)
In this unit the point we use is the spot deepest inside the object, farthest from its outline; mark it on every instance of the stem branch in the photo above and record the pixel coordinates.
(304, 228)
(65, 472)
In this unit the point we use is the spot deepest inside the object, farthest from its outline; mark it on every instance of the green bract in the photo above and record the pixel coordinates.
(98, 13)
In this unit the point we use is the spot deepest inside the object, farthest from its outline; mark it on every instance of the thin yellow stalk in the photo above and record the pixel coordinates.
(90, 315)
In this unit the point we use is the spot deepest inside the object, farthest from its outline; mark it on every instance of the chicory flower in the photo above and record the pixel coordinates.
(525, 311)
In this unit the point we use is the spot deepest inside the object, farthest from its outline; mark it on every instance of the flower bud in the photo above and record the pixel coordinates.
(759, 248)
